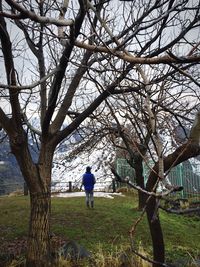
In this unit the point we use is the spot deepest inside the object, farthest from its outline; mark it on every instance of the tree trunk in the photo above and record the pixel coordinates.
(38, 251)
(156, 233)
(182, 153)
(154, 221)
(140, 182)
(38, 179)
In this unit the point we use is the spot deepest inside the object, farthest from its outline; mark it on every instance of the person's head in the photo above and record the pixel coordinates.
(88, 169)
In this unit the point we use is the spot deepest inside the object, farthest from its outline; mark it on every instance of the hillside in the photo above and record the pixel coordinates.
(71, 220)
(10, 174)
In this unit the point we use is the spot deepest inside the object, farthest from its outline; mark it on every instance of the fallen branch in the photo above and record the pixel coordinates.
(180, 211)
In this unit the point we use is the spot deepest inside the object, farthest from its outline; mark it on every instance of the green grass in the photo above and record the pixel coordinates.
(108, 223)
(107, 226)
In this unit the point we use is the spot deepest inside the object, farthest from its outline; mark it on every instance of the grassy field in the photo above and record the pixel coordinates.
(104, 228)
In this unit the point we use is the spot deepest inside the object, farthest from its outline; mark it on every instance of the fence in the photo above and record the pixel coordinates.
(57, 187)
(108, 186)
(124, 169)
(186, 174)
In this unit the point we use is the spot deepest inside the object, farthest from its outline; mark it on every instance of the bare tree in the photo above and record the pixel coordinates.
(57, 48)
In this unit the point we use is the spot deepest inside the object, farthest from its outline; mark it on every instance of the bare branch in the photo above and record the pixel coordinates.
(40, 19)
(29, 86)
(138, 60)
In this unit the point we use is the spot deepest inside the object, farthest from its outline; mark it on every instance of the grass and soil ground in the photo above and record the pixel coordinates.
(104, 228)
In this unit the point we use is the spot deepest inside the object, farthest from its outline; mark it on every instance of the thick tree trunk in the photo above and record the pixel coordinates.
(38, 179)
(38, 252)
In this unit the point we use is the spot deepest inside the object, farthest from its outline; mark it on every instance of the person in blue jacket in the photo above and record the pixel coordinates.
(88, 182)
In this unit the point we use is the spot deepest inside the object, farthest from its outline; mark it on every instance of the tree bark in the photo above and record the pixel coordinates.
(38, 252)
(156, 233)
(38, 179)
(140, 182)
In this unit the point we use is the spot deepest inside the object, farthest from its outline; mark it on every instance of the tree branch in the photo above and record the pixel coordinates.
(138, 60)
(40, 19)
(29, 86)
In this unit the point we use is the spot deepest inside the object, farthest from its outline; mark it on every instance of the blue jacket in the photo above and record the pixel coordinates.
(88, 181)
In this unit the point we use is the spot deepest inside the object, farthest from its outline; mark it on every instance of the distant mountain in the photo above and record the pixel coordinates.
(11, 178)
(70, 170)
(10, 175)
